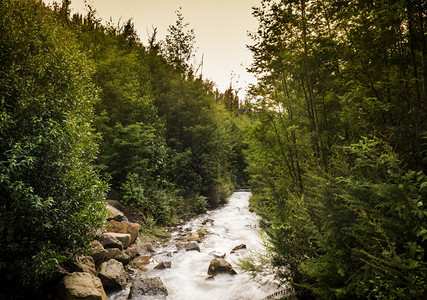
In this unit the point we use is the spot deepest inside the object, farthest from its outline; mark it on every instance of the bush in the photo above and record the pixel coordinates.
(50, 197)
(359, 230)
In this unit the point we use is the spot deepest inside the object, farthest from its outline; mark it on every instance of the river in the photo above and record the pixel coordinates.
(226, 227)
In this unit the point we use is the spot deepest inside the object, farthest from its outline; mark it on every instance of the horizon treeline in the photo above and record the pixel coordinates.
(337, 145)
(87, 112)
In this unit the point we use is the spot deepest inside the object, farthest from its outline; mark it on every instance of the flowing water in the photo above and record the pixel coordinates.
(226, 227)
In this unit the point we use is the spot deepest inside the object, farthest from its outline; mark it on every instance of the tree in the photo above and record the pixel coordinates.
(50, 196)
(331, 75)
(179, 43)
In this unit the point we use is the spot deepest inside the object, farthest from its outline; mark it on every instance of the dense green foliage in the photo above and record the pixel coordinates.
(80, 98)
(50, 195)
(165, 135)
(337, 148)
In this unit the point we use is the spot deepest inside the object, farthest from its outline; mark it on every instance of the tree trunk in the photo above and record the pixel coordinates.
(310, 84)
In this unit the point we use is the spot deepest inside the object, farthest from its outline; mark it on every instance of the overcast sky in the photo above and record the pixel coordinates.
(220, 26)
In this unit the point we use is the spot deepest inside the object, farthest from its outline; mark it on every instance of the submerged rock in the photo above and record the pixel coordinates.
(220, 266)
(217, 254)
(163, 265)
(147, 285)
(80, 285)
(239, 247)
(113, 275)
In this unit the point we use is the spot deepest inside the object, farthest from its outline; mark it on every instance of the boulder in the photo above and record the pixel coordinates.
(239, 247)
(124, 227)
(116, 204)
(141, 262)
(163, 265)
(137, 250)
(113, 275)
(147, 285)
(115, 214)
(109, 241)
(99, 254)
(115, 240)
(84, 264)
(220, 266)
(80, 285)
(118, 255)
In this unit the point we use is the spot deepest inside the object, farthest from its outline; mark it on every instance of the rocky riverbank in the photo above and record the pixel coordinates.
(197, 261)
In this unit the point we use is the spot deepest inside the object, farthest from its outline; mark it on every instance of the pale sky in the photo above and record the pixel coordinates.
(220, 27)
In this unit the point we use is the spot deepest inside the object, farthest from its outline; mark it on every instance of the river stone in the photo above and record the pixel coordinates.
(163, 265)
(99, 254)
(192, 246)
(115, 240)
(147, 285)
(113, 275)
(124, 227)
(118, 255)
(220, 266)
(239, 247)
(115, 214)
(84, 264)
(80, 285)
(194, 237)
(109, 241)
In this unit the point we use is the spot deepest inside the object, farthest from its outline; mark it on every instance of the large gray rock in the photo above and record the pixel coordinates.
(220, 266)
(147, 285)
(113, 275)
(80, 285)
(115, 214)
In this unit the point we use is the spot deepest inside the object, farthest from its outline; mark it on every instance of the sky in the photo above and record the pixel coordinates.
(220, 26)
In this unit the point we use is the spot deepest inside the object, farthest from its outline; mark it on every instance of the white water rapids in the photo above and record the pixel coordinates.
(227, 227)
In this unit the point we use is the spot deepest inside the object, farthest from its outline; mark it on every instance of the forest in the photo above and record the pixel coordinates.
(332, 140)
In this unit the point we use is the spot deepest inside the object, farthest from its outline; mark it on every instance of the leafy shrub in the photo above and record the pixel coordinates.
(50, 196)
